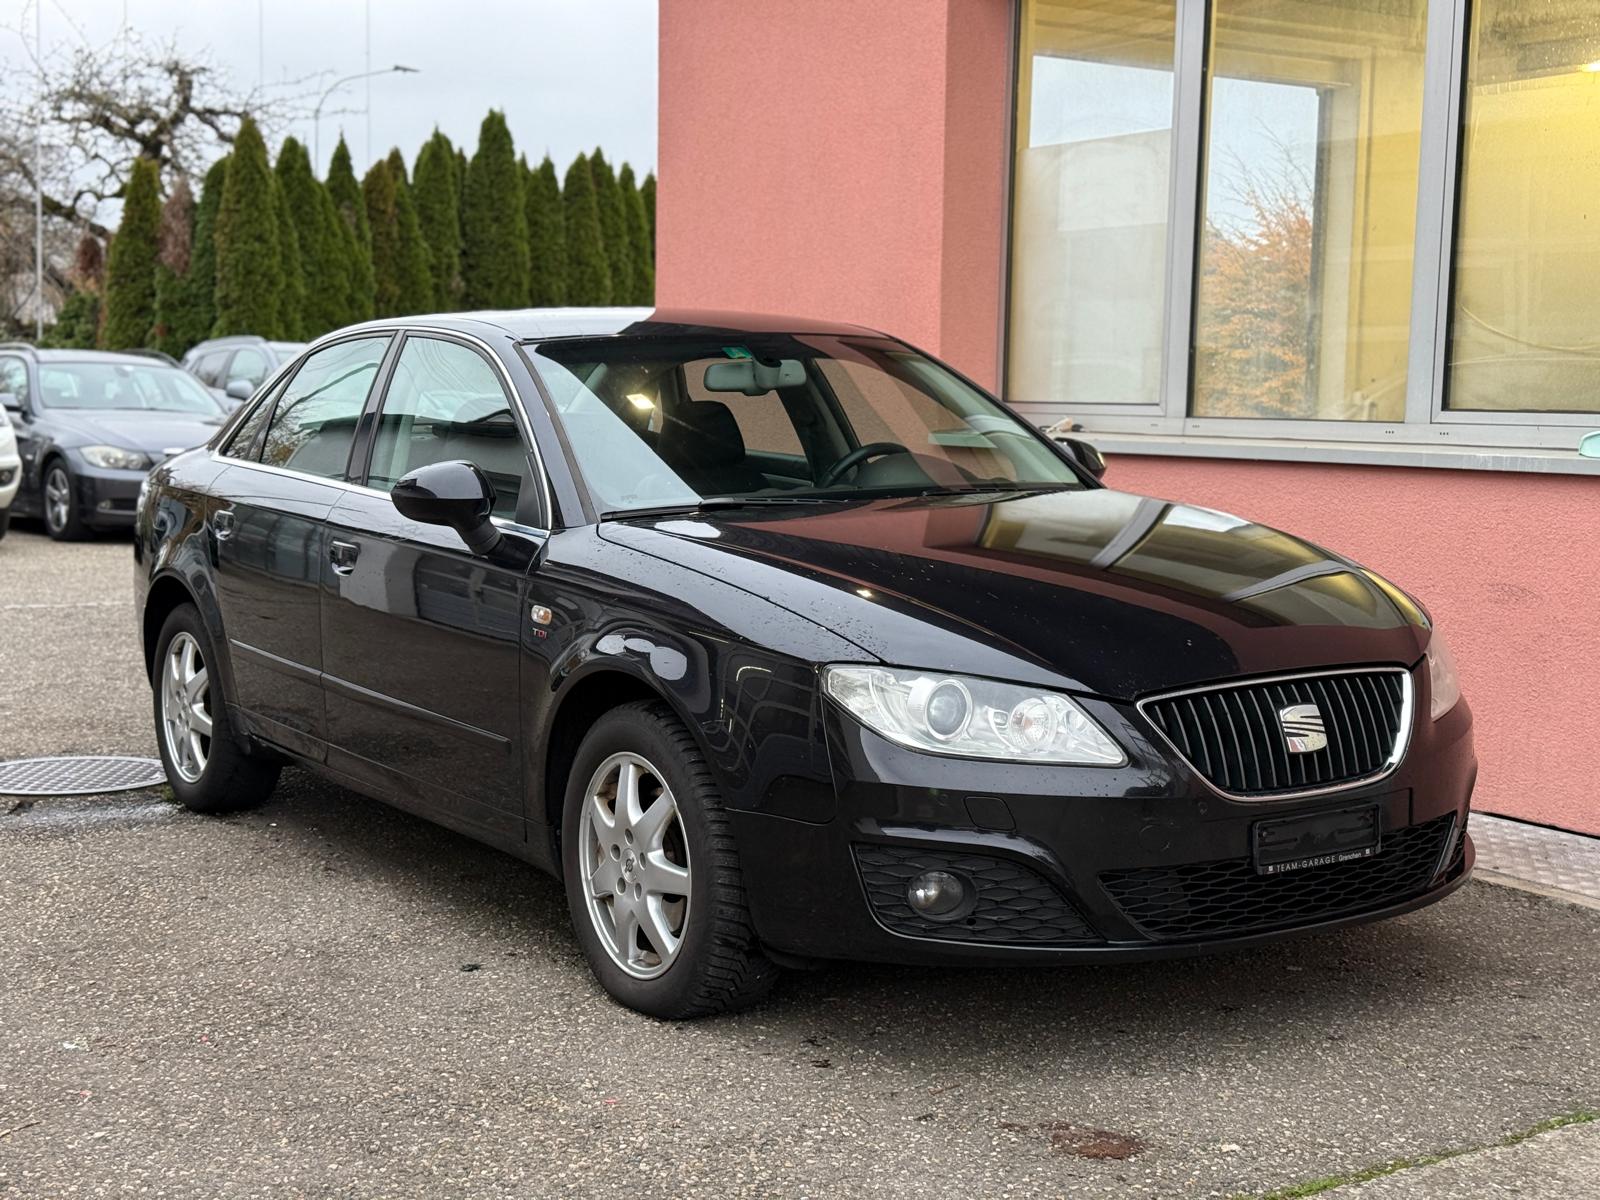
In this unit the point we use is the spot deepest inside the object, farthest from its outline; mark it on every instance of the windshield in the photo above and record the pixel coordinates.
(674, 421)
(98, 385)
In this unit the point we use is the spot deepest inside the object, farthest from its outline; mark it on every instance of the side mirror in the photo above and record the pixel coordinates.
(1589, 446)
(1089, 458)
(238, 389)
(456, 494)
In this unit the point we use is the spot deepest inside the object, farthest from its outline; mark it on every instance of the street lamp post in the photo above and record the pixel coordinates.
(316, 116)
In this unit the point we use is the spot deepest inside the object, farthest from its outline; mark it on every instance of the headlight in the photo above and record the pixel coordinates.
(115, 458)
(1446, 687)
(971, 718)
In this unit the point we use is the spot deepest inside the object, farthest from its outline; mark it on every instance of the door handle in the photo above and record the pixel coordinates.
(343, 555)
(222, 522)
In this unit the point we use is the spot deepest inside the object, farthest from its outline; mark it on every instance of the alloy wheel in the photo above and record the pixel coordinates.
(635, 863)
(186, 708)
(57, 498)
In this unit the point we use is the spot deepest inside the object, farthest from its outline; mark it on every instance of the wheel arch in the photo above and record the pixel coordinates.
(573, 712)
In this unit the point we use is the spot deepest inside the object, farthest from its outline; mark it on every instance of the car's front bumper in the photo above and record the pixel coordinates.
(1141, 861)
(107, 499)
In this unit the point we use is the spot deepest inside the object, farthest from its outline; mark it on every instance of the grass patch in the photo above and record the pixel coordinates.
(1313, 1186)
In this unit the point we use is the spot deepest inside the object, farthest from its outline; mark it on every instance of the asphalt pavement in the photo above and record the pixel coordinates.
(327, 997)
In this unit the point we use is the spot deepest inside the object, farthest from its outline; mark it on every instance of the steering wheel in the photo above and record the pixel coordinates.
(856, 457)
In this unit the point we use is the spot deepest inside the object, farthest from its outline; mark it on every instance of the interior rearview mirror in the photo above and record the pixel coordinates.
(238, 389)
(754, 378)
(456, 494)
(1089, 457)
(1589, 446)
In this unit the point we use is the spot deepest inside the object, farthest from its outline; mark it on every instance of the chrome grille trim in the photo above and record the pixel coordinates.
(1389, 763)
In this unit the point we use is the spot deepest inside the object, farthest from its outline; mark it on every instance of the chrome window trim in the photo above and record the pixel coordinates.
(1402, 741)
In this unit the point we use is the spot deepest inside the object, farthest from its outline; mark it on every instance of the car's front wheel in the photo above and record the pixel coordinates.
(206, 767)
(652, 876)
(58, 501)
(5, 520)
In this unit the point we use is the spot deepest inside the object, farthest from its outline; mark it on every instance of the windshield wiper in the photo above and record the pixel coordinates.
(706, 504)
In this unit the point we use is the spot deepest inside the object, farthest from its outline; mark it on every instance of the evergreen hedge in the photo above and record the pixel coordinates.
(588, 276)
(641, 256)
(547, 237)
(439, 219)
(130, 296)
(250, 270)
(494, 240)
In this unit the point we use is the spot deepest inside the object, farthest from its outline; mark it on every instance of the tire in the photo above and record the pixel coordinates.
(5, 521)
(210, 774)
(717, 965)
(58, 504)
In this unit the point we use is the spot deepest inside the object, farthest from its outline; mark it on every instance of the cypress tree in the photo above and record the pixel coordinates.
(383, 222)
(494, 243)
(77, 322)
(350, 203)
(250, 268)
(188, 308)
(292, 304)
(439, 218)
(642, 284)
(414, 274)
(321, 234)
(647, 193)
(613, 228)
(131, 263)
(588, 277)
(175, 248)
(547, 239)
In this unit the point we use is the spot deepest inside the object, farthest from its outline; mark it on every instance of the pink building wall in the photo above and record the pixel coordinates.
(847, 160)
(838, 158)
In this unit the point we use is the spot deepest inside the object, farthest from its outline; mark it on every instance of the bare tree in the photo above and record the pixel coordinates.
(102, 107)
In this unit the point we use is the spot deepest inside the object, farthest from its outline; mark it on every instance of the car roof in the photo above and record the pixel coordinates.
(541, 324)
(101, 356)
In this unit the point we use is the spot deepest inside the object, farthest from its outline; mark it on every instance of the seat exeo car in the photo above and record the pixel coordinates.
(780, 641)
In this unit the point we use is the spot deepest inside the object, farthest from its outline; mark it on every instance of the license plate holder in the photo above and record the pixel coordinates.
(1316, 840)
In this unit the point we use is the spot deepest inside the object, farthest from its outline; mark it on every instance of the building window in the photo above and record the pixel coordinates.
(1093, 166)
(1524, 324)
(1352, 220)
(1303, 297)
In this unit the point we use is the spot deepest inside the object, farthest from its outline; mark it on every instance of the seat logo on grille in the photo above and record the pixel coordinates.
(1303, 730)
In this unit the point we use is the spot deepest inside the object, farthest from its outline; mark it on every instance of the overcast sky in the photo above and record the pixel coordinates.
(569, 74)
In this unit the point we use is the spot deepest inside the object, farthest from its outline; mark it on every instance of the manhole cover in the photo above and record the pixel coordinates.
(84, 775)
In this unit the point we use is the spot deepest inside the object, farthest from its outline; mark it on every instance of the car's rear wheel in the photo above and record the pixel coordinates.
(206, 767)
(58, 502)
(652, 875)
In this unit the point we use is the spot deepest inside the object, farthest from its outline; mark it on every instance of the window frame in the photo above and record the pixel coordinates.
(533, 509)
(276, 388)
(1427, 423)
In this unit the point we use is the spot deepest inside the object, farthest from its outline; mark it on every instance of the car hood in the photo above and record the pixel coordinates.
(1103, 591)
(159, 434)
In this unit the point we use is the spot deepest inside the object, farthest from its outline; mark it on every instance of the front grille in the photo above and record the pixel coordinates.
(1234, 736)
(1228, 898)
(1015, 904)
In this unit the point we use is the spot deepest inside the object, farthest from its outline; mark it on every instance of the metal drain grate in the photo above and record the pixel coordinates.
(79, 775)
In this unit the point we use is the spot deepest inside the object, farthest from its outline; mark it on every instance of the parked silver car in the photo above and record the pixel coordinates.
(233, 367)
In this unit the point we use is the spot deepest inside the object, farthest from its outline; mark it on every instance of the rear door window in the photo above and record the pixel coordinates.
(314, 421)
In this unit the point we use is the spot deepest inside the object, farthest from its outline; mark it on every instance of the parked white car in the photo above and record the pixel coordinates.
(10, 470)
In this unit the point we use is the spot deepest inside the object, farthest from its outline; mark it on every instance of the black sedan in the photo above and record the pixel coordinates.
(780, 641)
(90, 425)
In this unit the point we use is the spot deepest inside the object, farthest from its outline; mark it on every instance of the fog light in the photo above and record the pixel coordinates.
(936, 894)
